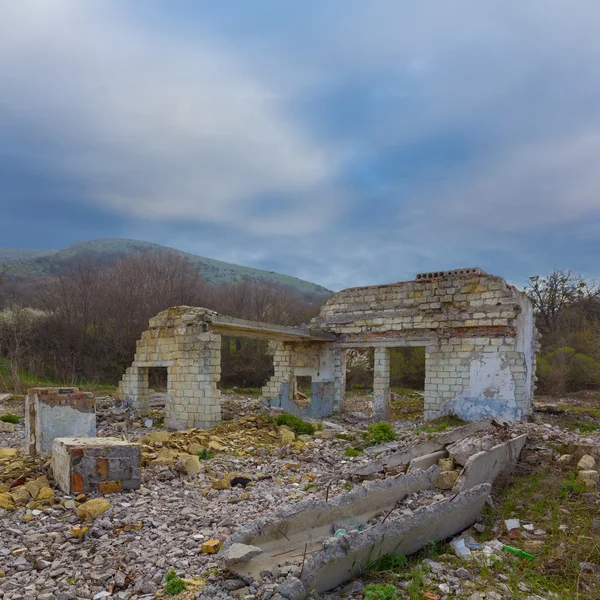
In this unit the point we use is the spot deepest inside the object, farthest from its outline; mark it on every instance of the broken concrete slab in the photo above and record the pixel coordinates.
(57, 412)
(463, 449)
(438, 443)
(346, 557)
(305, 525)
(485, 466)
(105, 465)
(424, 462)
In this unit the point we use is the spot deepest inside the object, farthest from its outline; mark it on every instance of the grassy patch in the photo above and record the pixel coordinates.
(557, 503)
(353, 452)
(440, 424)
(174, 585)
(407, 405)
(253, 392)
(296, 424)
(587, 427)
(377, 591)
(10, 418)
(204, 454)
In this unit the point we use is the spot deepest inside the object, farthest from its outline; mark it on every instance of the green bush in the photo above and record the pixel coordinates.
(204, 454)
(9, 418)
(377, 591)
(380, 433)
(295, 423)
(566, 370)
(174, 584)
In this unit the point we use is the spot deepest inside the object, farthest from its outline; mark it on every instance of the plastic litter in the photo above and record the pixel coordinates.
(517, 552)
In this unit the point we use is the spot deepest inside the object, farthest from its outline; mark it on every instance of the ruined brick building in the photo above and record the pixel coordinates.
(478, 333)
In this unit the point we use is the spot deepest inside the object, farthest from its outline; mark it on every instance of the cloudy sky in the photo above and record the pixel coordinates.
(343, 141)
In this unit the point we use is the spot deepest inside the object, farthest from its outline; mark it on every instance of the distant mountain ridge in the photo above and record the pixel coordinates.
(24, 264)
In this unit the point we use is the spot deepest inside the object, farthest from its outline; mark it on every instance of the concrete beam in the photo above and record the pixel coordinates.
(232, 326)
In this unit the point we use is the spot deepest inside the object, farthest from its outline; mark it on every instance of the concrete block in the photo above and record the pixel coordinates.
(104, 465)
(485, 466)
(57, 412)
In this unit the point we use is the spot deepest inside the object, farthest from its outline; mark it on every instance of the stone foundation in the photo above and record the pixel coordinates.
(57, 412)
(88, 465)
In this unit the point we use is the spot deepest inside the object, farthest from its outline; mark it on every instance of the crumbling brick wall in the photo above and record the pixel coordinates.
(179, 339)
(478, 332)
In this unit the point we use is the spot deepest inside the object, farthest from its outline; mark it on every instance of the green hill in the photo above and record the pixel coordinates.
(25, 264)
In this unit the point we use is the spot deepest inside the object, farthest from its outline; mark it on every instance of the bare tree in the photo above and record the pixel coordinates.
(552, 294)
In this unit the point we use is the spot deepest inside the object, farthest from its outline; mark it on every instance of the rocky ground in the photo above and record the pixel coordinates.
(45, 551)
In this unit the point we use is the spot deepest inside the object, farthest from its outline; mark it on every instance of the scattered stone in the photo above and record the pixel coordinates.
(590, 479)
(286, 436)
(7, 427)
(462, 573)
(565, 459)
(354, 587)
(237, 553)
(92, 509)
(7, 502)
(446, 464)
(586, 463)
(293, 589)
(446, 480)
(192, 465)
(211, 546)
(45, 496)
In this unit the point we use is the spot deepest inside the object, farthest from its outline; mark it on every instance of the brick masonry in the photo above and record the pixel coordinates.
(104, 465)
(179, 339)
(478, 332)
(52, 412)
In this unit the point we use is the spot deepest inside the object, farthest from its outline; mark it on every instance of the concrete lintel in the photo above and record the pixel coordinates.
(387, 343)
(148, 364)
(232, 326)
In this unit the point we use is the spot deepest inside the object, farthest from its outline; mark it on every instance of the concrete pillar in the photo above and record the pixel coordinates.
(339, 379)
(140, 400)
(381, 385)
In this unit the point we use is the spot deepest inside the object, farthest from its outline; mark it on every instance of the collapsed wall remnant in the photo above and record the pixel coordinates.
(478, 333)
(53, 412)
(105, 465)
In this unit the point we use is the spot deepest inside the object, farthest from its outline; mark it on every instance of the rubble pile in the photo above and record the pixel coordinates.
(121, 546)
(243, 437)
